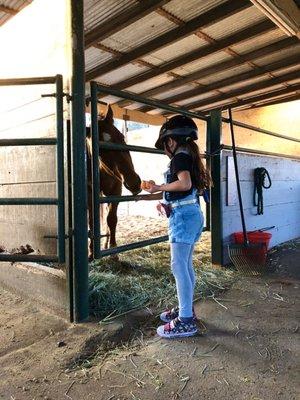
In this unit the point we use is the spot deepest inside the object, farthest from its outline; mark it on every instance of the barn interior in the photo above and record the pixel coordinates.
(199, 57)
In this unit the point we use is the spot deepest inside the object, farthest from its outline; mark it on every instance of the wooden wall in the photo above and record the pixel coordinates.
(281, 201)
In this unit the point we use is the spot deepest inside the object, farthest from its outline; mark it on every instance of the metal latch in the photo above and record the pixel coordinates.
(67, 95)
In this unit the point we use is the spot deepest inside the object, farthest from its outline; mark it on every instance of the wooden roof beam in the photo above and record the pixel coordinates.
(261, 97)
(118, 22)
(285, 14)
(236, 38)
(206, 19)
(8, 10)
(245, 90)
(285, 63)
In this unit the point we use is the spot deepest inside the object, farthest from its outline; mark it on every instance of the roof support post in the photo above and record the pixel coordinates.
(214, 135)
(79, 168)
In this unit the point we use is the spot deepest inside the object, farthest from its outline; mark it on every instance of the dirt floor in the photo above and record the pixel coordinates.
(248, 348)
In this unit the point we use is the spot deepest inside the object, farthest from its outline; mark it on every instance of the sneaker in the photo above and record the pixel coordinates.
(169, 315)
(177, 328)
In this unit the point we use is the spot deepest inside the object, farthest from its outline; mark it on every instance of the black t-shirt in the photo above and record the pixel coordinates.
(180, 162)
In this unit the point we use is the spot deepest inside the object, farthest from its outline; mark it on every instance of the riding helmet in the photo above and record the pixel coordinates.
(179, 125)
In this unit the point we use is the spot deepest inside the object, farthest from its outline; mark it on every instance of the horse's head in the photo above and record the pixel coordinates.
(121, 159)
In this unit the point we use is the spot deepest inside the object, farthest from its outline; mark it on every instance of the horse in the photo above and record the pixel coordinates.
(116, 168)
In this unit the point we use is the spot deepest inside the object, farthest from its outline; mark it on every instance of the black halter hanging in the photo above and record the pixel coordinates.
(260, 174)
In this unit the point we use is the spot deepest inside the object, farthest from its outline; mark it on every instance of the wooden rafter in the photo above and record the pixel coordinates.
(8, 10)
(258, 98)
(277, 65)
(118, 22)
(244, 90)
(138, 61)
(284, 13)
(212, 16)
(239, 37)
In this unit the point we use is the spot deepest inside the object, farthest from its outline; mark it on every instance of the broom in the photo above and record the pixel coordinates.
(248, 258)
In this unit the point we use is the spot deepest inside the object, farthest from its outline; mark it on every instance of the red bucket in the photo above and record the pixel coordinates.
(253, 237)
(256, 237)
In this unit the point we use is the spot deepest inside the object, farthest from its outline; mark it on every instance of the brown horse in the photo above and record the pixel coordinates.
(116, 168)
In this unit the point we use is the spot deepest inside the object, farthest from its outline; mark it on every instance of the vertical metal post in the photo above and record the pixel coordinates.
(214, 142)
(95, 170)
(60, 171)
(208, 166)
(79, 168)
(70, 264)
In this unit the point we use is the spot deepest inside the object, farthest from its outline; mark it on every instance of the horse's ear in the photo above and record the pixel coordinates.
(109, 115)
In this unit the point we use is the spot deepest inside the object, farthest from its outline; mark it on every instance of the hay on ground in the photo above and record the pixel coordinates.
(142, 278)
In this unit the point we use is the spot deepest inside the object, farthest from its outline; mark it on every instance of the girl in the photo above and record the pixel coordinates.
(185, 177)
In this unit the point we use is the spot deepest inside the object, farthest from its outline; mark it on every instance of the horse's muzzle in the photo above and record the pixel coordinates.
(136, 188)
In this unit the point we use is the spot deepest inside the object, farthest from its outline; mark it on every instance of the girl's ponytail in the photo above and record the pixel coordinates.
(200, 174)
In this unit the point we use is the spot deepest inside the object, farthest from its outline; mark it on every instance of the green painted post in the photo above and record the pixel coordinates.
(79, 168)
(208, 165)
(60, 170)
(214, 135)
(95, 170)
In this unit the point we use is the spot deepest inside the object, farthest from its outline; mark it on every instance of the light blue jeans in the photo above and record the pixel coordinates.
(185, 227)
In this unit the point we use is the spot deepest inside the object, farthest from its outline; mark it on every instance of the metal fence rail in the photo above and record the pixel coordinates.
(28, 81)
(265, 153)
(28, 142)
(58, 141)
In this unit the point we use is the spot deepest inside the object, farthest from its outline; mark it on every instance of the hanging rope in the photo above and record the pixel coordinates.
(260, 175)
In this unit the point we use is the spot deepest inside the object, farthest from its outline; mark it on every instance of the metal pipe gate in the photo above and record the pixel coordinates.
(59, 201)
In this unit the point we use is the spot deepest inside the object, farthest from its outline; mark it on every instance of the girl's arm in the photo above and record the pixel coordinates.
(183, 184)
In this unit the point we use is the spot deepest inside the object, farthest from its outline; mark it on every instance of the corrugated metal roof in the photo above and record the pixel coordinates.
(289, 69)
(187, 11)
(155, 24)
(259, 41)
(234, 23)
(178, 90)
(196, 98)
(121, 73)
(243, 84)
(262, 91)
(151, 83)
(97, 12)
(202, 63)
(218, 76)
(279, 55)
(177, 49)
(94, 57)
(146, 29)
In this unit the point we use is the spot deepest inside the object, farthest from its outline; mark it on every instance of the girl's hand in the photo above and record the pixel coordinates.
(153, 188)
(146, 184)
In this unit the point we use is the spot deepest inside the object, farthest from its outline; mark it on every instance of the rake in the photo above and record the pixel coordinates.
(248, 258)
